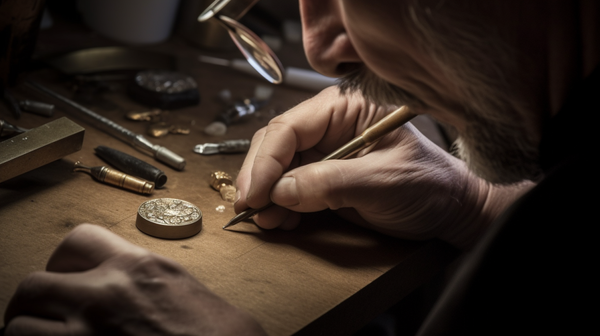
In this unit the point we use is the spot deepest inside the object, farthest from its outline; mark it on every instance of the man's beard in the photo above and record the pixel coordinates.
(494, 145)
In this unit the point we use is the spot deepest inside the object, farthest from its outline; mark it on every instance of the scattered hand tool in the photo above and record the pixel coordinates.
(116, 178)
(39, 108)
(228, 146)
(159, 127)
(136, 140)
(132, 165)
(238, 111)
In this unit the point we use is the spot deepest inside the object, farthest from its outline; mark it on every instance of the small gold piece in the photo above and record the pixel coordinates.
(179, 130)
(222, 182)
(160, 129)
(169, 218)
(151, 115)
(116, 178)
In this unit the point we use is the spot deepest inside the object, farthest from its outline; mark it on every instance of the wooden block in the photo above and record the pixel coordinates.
(39, 146)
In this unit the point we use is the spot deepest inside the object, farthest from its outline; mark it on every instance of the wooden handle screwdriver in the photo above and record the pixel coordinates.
(368, 137)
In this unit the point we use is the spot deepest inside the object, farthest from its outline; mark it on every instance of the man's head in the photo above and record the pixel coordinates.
(440, 58)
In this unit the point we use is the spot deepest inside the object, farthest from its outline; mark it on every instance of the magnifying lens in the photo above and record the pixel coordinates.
(254, 49)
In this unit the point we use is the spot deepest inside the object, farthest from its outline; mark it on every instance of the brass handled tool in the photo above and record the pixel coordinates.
(116, 178)
(131, 165)
(368, 137)
(135, 140)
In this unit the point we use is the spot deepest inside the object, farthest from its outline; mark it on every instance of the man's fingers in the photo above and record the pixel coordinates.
(243, 178)
(44, 294)
(86, 247)
(270, 162)
(305, 126)
(276, 216)
(331, 184)
(302, 135)
(34, 326)
(311, 187)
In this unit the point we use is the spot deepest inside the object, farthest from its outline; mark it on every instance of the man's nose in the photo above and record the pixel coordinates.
(326, 43)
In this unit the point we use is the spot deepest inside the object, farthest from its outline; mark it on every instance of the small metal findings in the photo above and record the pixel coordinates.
(219, 178)
(223, 183)
(158, 130)
(161, 129)
(151, 115)
(169, 218)
(179, 130)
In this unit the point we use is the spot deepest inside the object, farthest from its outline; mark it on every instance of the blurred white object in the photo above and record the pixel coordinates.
(216, 128)
(262, 92)
(296, 77)
(307, 79)
(130, 21)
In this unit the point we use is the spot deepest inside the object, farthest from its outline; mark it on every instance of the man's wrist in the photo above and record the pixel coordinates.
(481, 204)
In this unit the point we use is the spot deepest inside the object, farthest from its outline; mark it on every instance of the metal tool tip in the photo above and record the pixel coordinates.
(238, 218)
(230, 223)
(207, 149)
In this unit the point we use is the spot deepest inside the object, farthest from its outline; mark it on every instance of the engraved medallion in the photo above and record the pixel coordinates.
(169, 218)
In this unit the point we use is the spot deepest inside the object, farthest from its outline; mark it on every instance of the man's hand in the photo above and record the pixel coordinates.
(98, 283)
(405, 186)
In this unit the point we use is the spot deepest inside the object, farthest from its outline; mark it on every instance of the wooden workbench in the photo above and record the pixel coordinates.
(326, 277)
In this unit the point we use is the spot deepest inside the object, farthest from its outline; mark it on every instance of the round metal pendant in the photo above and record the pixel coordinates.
(169, 218)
